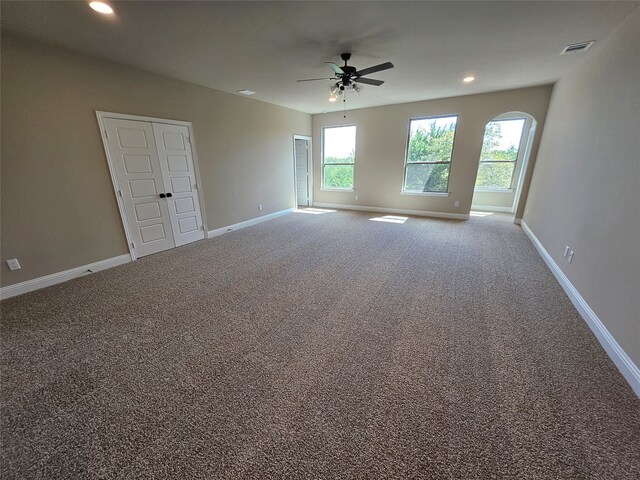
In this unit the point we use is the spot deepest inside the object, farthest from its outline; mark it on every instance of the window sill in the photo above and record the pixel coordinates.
(493, 190)
(346, 190)
(427, 194)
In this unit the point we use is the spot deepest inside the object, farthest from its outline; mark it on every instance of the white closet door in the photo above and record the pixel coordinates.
(302, 171)
(176, 163)
(135, 159)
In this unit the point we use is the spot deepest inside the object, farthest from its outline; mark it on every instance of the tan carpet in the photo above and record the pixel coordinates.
(316, 346)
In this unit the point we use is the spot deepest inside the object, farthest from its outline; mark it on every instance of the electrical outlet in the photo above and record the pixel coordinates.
(14, 264)
(566, 251)
(570, 256)
(260, 207)
(457, 204)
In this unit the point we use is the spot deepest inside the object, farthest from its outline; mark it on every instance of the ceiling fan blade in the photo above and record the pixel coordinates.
(369, 81)
(335, 68)
(376, 68)
(314, 79)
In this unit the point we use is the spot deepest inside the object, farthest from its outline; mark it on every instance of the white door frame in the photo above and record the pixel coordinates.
(309, 169)
(100, 115)
(531, 132)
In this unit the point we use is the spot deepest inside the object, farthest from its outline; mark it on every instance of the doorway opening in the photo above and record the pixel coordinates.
(303, 172)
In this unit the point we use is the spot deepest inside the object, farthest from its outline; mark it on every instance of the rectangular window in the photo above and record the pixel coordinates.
(429, 153)
(499, 154)
(338, 157)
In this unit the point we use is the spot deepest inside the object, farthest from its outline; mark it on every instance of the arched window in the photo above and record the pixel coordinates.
(505, 151)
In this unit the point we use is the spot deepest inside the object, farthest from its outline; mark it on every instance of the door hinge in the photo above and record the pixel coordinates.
(133, 245)
(120, 193)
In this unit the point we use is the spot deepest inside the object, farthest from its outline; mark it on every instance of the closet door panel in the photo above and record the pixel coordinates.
(176, 162)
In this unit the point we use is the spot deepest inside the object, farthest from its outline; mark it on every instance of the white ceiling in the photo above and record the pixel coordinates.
(266, 46)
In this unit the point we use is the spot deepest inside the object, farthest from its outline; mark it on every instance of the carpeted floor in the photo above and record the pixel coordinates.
(316, 346)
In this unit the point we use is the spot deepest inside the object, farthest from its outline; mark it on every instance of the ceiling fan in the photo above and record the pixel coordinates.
(349, 77)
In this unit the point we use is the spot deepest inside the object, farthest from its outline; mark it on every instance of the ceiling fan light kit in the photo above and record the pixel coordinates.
(349, 78)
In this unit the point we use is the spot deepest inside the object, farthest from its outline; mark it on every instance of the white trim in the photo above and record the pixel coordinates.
(419, 213)
(406, 152)
(248, 223)
(322, 164)
(125, 116)
(492, 190)
(199, 183)
(488, 208)
(517, 221)
(524, 153)
(59, 277)
(526, 157)
(114, 180)
(629, 370)
(426, 194)
(308, 139)
(100, 115)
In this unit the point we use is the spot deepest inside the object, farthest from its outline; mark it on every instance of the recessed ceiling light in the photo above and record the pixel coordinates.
(468, 79)
(246, 91)
(101, 7)
(332, 99)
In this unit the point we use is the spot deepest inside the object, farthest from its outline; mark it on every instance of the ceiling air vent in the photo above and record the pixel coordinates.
(577, 47)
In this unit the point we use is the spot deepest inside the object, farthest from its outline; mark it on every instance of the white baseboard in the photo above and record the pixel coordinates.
(248, 223)
(419, 213)
(59, 277)
(517, 221)
(487, 208)
(629, 370)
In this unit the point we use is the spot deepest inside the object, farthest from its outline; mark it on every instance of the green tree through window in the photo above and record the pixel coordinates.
(339, 155)
(429, 154)
(499, 153)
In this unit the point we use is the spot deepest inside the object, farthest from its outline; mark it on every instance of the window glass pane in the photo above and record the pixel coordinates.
(495, 175)
(338, 176)
(431, 139)
(339, 144)
(424, 177)
(502, 140)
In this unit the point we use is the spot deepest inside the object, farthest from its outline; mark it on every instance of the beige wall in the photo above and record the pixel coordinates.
(382, 139)
(58, 206)
(493, 199)
(585, 192)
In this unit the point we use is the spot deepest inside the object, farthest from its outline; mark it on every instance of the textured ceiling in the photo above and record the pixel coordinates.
(266, 46)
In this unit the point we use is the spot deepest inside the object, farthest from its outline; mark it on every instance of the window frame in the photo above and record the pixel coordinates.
(406, 157)
(524, 137)
(323, 164)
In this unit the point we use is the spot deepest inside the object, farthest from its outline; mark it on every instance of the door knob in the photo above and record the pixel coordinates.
(162, 195)
(169, 195)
